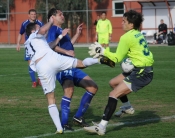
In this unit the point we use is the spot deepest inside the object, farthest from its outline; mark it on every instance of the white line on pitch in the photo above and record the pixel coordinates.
(111, 125)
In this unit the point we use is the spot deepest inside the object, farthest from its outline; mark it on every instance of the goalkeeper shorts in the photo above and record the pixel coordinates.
(103, 38)
(138, 78)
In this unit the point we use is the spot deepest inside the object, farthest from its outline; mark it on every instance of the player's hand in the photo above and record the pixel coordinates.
(96, 38)
(51, 19)
(110, 38)
(65, 31)
(79, 28)
(96, 50)
(18, 48)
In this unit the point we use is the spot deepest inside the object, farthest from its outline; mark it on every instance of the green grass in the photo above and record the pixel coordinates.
(23, 109)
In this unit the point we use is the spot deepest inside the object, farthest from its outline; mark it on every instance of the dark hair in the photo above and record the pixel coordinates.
(134, 17)
(29, 28)
(103, 12)
(51, 12)
(31, 10)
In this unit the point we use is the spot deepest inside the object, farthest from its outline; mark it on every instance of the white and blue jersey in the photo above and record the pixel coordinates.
(24, 24)
(22, 31)
(76, 75)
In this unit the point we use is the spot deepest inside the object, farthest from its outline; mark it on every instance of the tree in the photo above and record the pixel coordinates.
(3, 5)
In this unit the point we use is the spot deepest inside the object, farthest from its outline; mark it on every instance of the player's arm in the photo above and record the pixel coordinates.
(96, 50)
(44, 29)
(22, 30)
(78, 32)
(54, 43)
(110, 30)
(120, 53)
(18, 42)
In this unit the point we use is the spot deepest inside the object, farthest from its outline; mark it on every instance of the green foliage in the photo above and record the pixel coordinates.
(3, 3)
(74, 11)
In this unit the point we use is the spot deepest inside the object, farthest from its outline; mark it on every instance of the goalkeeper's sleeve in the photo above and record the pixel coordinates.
(120, 53)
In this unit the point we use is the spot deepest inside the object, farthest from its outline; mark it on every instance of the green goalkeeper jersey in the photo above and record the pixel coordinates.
(104, 26)
(133, 45)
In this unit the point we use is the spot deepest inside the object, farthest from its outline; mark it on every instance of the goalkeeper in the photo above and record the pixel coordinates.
(104, 31)
(133, 45)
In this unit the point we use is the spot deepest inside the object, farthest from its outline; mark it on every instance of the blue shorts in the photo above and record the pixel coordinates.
(76, 75)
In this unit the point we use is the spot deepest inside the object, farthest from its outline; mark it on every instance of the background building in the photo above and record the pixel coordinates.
(153, 11)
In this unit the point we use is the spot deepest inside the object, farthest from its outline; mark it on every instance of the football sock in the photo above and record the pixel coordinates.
(65, 110)
(103, 124)
(32, 74)
(124, 99)
(90, 61)
(110, 108)
(84, 104)
(54, 114)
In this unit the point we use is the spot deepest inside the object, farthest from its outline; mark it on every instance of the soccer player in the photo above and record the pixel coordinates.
(104, 31)
(32, 19)
(72, 77)
(47, 63)
(133, 45)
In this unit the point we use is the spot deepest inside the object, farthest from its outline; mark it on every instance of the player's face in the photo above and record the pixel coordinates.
(59, 17)
(32, 16)
(126, 25)
(103, 16)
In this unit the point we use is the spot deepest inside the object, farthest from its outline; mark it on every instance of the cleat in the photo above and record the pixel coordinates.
(80, 121)
(106, 61)
(125, 110)
(67, 128)
(59, 132)
(34, 84)
(95, 129)
(39, 82)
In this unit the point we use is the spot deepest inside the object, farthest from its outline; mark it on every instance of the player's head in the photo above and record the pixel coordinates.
(57, 14)
(161, 21)
(30, 28)
(103, 15)
(32, 14)
(132, 20)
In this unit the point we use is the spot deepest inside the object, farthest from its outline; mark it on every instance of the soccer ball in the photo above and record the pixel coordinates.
(127, 65)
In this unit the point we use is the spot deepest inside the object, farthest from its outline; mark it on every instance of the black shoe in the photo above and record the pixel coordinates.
(80, 121)
(67, 128)
(106, 61)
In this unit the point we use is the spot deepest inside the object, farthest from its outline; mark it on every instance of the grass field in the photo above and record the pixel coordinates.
(24, 114)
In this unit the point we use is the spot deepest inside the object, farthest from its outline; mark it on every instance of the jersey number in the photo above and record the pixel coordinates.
(145, 45)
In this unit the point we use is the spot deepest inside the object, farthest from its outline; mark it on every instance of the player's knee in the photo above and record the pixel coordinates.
(112, 84)
(93, 89)
(50, 98)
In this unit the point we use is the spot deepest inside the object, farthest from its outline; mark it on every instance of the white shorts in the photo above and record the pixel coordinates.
(49, 66)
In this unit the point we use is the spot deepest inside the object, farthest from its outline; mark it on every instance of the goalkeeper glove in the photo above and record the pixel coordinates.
(96, 50)
(106, 61)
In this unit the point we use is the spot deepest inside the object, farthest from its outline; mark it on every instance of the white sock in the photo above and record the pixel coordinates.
(54, 114)
(103, 124)
(90, 61)
(126, 104)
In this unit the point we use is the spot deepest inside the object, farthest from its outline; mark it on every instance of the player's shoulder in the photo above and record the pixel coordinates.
(39, 22)
(25, 22)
